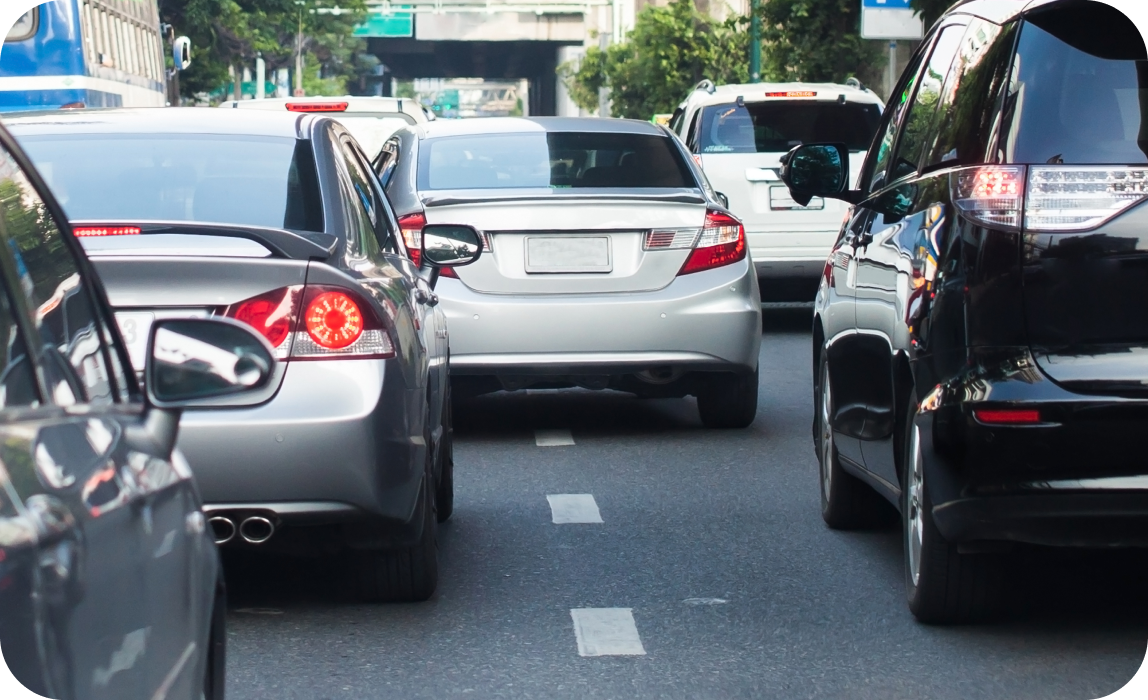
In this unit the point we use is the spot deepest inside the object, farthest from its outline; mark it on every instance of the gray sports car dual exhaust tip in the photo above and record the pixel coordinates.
(254, 529)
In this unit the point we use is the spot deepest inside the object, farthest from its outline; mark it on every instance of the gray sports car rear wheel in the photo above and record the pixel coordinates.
(404, 574)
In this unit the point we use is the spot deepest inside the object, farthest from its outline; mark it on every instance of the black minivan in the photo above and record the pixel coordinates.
(980, 341)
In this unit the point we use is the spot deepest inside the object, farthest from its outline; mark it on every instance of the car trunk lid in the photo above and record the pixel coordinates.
(571, 244)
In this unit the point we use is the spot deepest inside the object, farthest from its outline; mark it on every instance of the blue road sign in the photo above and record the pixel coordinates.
(888, 4)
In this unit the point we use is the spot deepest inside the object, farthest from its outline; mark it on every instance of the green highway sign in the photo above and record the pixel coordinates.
(395, 24)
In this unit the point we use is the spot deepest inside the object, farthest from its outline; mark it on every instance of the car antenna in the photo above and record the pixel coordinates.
(741, 100)
(841, 99)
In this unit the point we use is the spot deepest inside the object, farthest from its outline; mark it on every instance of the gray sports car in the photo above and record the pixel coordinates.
(274, 220)
(612, 262)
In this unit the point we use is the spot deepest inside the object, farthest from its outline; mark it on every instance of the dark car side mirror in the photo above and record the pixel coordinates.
(191, 359)
(817, 170)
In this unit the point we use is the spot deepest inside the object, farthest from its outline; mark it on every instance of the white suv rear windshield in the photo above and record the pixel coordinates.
(778, 126)
(553, 160)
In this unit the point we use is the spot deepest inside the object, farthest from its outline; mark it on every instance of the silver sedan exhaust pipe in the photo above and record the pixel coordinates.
(222, 529)
(256, 530)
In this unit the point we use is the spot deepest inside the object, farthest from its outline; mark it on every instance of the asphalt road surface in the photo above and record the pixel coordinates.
(710, 575)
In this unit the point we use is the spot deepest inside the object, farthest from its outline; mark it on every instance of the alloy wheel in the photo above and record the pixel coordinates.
(826, 436)
(914, 513)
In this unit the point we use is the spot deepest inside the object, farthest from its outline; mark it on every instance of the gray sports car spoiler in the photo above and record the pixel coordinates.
(283, 243)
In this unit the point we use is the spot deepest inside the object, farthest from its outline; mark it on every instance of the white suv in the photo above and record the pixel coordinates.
(738, 134)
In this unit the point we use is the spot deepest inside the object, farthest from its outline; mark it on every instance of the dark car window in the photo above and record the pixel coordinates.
(387, 160)
(778, 126)
(17, 376)
(71, 338)
(971, 99)
(254, 180)
(552, 160)
(881, 151)
(362, 181)
(921, 115)
(1080, 92)
(359, 207)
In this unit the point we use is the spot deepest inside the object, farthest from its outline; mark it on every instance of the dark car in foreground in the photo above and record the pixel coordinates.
(274, 219)
(981, 333)
(110, 585)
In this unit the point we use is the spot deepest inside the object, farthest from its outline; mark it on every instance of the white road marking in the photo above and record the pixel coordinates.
(553, 438)
(705, 601)
(566, 508)
(606, 632)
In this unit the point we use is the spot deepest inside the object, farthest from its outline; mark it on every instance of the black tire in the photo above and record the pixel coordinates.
(729, 400)
(404, 574)
(942, 585)
(215, 668)
(444, 492)
(847, 503)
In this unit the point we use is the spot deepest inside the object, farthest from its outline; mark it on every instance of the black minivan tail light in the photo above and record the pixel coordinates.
(1047, 198)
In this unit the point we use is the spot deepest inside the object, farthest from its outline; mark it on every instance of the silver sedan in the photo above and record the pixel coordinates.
(612, 264)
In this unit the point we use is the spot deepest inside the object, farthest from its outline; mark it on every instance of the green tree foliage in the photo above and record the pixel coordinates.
(930, 10)
(670, 49)
(231, 33)
(815, 41)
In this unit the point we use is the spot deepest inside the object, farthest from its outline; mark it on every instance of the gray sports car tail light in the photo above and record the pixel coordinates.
(316, 322)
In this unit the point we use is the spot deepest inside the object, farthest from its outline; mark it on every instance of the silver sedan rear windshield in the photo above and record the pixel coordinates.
(252, 180)
(556, 160)
(777, 126)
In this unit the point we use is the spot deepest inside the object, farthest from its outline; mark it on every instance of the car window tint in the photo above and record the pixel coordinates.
(881, 151)
(1080, 89)
(923, 111)
(776, 126)
(17, 375)
(358, 207)
(555, 160)
(970, 103)
(70, 336)
(253, 180)
(364, 183)
(692, 132)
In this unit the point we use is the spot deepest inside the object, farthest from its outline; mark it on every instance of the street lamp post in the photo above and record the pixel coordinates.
(299, 51)
(754, 42)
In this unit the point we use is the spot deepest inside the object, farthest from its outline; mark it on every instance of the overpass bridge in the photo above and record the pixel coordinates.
(493, 40)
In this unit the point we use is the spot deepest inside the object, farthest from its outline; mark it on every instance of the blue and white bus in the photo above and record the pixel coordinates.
(94, 53)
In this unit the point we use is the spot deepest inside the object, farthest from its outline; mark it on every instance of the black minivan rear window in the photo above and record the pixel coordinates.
(1080, 89)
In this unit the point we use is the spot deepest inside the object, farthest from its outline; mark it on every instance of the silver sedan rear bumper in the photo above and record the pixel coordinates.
(708, 321)
(332, 435)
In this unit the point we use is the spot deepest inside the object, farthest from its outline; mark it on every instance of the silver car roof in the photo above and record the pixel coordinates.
(523, 125)
(161, 120)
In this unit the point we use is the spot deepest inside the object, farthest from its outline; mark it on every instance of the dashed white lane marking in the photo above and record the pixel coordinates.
(568, 508)
(606, 632)
(553, 438)
(705, 601)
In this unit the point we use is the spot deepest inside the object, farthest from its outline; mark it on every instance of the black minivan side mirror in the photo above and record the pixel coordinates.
(190, 359)
(817, 170)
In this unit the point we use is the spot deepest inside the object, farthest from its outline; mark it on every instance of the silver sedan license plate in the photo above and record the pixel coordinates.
(567, 254)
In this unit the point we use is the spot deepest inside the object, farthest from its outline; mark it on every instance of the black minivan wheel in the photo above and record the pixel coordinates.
(943, 586)
(847, 503)
(729, 400)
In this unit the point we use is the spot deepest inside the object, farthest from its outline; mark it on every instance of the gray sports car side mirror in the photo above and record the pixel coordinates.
(202, 358)
(450, 245)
